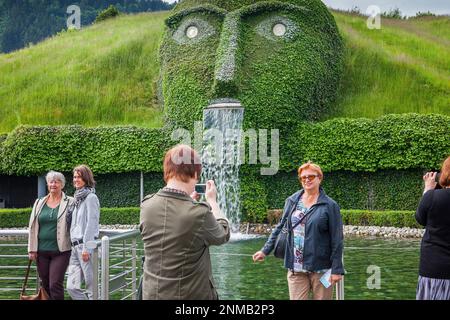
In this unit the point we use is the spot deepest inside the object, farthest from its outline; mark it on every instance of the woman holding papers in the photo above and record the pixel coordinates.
(313, 254)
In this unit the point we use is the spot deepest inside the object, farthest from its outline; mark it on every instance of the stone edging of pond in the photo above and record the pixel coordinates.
(372, 231)
(266, 229)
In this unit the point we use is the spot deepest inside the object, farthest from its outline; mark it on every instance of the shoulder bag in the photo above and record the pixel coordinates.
(281, 242)
(41, 295)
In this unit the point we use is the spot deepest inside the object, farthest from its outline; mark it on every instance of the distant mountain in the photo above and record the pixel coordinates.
(23, 22)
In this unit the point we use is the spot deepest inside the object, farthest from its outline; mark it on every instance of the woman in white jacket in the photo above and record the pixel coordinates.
(84, 218)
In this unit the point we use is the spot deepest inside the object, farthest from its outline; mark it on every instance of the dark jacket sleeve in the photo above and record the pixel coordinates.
(270, 243)
(424, 207)
(337, 238)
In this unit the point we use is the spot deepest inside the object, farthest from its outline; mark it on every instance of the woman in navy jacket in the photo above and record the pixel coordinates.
(315, 238)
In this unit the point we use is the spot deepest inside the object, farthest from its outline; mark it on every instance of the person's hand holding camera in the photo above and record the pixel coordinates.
(195, 196)
(211, 192)
(430, 181)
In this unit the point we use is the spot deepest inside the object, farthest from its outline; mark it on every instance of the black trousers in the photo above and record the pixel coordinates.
(52, 266)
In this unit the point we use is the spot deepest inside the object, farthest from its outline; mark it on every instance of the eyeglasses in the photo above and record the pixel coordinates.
(309, 178)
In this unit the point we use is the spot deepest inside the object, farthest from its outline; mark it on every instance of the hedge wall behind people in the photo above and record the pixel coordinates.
(18, 218)
(399, 142)
(34, 150)
(382, 190)
(122, 189)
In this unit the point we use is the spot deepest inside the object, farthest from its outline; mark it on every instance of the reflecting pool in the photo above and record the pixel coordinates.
(238, 277)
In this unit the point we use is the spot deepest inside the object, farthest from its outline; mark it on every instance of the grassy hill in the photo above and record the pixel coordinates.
(403, 67)
(107, 73)
(104, 74)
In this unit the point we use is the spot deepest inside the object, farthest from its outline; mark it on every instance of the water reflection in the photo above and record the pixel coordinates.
(238, 277)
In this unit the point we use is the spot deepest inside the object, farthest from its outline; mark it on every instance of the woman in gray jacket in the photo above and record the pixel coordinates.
(84, 218)
(314, 245)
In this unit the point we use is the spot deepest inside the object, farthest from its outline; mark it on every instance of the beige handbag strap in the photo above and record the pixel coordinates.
(26, 276)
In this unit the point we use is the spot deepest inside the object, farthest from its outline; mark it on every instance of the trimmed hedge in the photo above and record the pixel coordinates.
(122, 190)
(398, 219)
(127, 216)
(405, 141)
(35, 150)
(389, 142)
(14, 218)
(18, 218)
(381, 190)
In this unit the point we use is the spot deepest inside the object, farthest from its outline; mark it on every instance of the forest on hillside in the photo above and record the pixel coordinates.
(23, 22)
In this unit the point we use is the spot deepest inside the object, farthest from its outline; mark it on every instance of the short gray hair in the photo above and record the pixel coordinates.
(54, 175)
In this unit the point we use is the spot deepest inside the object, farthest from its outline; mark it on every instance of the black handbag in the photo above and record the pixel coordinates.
(279, 250)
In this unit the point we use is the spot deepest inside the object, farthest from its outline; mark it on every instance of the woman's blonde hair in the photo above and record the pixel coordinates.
(312, 166)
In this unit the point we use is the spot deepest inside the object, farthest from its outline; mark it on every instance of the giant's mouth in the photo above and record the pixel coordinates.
(224, 103)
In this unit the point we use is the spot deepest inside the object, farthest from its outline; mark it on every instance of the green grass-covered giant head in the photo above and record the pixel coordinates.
(281, 59)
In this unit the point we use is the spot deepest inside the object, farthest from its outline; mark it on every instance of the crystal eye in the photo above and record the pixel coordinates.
(279, 29)
(192, 32)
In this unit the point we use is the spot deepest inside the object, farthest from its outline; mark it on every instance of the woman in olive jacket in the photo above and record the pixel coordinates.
(177, 232)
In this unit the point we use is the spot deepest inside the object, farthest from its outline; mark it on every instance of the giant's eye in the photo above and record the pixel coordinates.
(277, 27)
(192, 30)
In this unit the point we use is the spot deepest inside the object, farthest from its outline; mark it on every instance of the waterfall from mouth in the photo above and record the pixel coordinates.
(222, 124)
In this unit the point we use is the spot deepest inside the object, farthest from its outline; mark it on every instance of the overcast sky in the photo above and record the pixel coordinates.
(407, 7)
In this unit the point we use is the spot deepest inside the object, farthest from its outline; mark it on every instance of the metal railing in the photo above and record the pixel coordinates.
(340, 285)
(16, 255)
(114, 259)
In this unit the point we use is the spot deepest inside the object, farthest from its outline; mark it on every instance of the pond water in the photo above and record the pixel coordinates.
(238, 277)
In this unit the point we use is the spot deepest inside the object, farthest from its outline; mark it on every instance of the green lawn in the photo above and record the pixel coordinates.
(107, 73)
(104, 74)
(403, 67)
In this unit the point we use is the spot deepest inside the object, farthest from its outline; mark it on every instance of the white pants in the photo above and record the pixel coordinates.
(79, 272)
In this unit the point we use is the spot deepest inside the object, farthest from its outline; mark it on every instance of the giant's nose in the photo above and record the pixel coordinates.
(228, 59)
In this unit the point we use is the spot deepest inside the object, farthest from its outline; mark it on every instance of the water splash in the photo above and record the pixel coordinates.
(222, 123)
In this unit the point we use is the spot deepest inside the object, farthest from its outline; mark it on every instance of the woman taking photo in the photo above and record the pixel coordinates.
(48, 239)
(315, 238)
(84, 217)
(434, 214)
